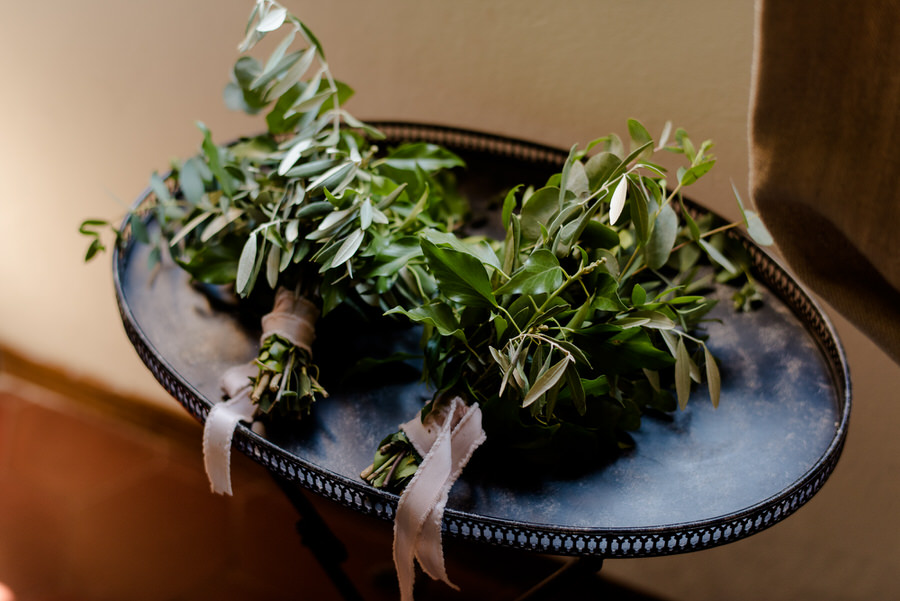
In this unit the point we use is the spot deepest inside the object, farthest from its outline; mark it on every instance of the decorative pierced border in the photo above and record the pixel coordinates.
(600, 542)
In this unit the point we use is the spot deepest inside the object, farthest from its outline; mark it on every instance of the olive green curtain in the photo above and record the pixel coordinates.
(825, 151)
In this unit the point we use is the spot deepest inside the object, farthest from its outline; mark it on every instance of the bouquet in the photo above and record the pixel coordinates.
(550, 341)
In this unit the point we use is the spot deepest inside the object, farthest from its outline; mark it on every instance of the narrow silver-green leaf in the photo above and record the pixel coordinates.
(713, 380)
(546, 381)
(189, 227)
(758, 230)
(682, 374)
(219, 222)
(717, 256)
(348, 248)
(273, 261)
(246, 264)
(293, 155)
(366, 214)
(294, 74)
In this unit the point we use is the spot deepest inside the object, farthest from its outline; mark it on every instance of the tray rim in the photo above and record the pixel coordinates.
(668, 539)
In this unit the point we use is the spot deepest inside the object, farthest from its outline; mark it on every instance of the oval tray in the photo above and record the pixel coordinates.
(705, 478)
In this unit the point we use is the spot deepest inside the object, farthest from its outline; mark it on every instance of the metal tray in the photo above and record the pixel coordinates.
(705, 478)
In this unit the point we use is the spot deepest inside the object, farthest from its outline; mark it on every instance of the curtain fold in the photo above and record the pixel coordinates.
(825, 152)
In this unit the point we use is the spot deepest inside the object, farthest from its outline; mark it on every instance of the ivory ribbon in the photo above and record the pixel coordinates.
(293, 318)
(446, 441)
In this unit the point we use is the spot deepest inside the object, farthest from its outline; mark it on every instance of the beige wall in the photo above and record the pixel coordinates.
(96, 95)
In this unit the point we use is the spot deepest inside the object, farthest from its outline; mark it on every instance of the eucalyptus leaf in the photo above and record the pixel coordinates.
(662, 239)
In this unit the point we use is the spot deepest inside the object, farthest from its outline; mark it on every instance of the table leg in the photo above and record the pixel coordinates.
(320, 540)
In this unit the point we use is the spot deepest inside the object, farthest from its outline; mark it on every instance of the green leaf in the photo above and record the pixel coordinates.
(348, 248)
(509, 203)
(246, 266)
(427, 157)
(293, 75)
(537, 211)
(640, 216)
(190, 181)
(277, 62)
(757, 229)
(716, 256)
(713, 380)
(597, 235)
(461, 276)
(226, 181)
(273, 261)
(600, 167)
(480, 250)
(686, 177)
(546, 381)
(576, 390)
(655, 320)
(682, 374)
(540, 274)
(662, 239)
(638, 295)
(138, 229)
(692, 225)
(436, 314)
(640, 137)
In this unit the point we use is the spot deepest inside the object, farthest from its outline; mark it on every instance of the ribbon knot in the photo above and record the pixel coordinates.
(446, 441)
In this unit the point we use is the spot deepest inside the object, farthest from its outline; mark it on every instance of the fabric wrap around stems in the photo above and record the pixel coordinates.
(446, 441)
(292, 318)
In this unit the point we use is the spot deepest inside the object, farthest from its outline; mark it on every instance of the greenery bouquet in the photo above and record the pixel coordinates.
(583, 316)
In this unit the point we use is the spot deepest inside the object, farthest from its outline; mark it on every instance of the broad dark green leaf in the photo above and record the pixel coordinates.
(540, 274)
(436, 314)
(460, 275)
(576, 390)
(600, 167)
(479, 249)
(509, 203)
(538, 211)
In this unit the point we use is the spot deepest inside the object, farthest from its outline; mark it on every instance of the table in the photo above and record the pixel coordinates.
(705, 478)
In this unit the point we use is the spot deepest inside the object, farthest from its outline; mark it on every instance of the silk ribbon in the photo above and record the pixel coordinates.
(446, 441)
(293, 318)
